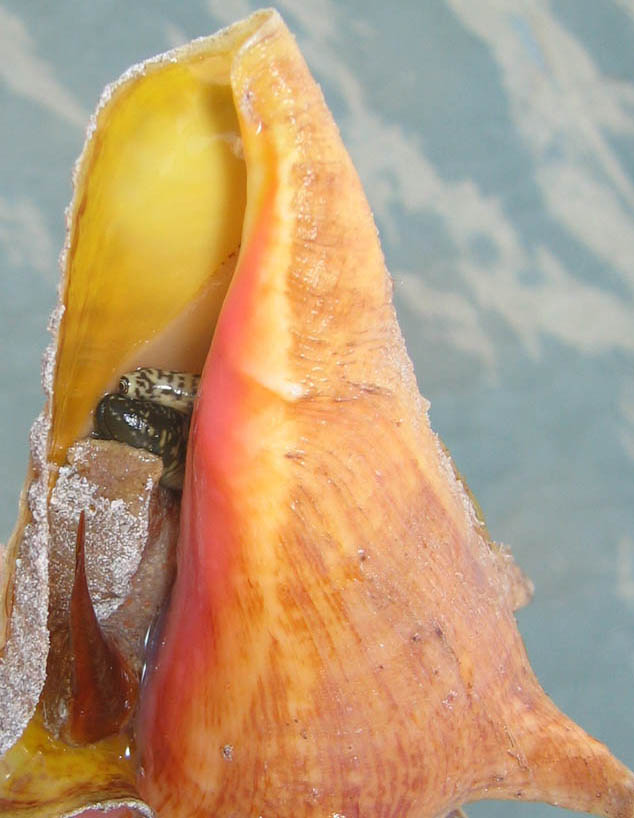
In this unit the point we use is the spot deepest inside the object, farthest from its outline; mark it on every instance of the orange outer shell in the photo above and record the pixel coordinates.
(339, 639)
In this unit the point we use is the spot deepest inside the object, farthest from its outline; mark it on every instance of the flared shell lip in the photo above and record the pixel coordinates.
(198, 46)
(30, 533)
(267, 17)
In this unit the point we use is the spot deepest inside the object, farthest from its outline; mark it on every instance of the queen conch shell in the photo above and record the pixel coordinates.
(339, 639)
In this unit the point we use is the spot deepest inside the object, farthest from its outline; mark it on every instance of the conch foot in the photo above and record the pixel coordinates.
(339, 638)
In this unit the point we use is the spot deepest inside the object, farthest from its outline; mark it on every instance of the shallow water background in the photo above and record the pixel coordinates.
(495, 139)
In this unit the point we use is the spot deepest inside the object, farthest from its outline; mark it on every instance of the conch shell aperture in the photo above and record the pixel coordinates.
(339, 638)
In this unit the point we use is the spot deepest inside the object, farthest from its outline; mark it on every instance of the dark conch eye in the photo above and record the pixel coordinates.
(124, 385)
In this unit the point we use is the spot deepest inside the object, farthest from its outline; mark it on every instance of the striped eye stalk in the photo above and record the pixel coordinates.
(174, 389)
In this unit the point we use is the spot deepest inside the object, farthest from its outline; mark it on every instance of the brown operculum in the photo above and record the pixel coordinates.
(103, 685)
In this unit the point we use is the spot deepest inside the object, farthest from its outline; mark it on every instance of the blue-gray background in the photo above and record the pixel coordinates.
(495, 139)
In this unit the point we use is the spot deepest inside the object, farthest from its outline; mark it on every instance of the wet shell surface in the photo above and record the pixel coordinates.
(321, 624)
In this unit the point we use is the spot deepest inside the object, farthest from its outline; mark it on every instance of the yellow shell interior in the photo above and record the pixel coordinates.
(42, 776)
(157, 222)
